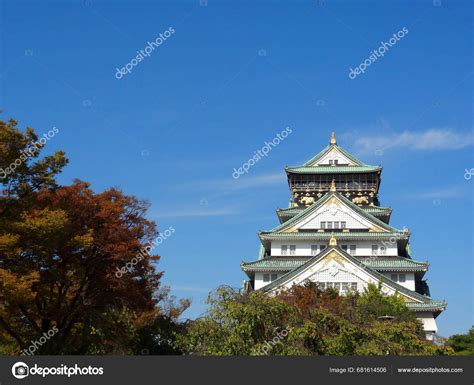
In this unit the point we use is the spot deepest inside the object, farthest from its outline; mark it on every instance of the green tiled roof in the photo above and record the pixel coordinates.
(378, 263)
(377, 210)
(291, 210)
(340, 236)
(273, 264)
(394, 264)
(306, 168)
(427, 302)
(326, 149)
(332, 169)
(285, 214)
(436, 306)
(369, 209)
(266, 237)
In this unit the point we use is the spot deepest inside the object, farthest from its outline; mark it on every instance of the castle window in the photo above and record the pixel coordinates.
(333, 225)
(284, 250)
(352, 249)
(341, 287)
(270, 277)
(344, 247)
(314, 249)
(292, 249)
(398, 277)
(322, 247)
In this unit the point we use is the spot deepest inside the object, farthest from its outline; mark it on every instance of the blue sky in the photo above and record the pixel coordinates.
(232, 76)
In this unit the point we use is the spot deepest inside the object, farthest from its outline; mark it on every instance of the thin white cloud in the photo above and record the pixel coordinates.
(219, 188)
(431, 140)
(450, 192)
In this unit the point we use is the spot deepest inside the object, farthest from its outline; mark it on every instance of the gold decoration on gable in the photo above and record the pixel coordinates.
(333, 256)
(375, 230)
(360, 200)
(307, 200)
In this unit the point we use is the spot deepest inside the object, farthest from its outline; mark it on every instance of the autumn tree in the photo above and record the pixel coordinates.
(60, 250)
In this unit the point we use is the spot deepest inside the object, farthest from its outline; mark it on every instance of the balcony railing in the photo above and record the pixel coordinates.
(341, 186)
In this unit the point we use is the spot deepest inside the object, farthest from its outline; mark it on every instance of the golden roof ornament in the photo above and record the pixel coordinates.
(333, 240)
(333, 138)
(333, 186)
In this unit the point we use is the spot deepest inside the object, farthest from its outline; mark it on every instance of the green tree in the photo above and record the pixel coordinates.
(317, 323)
(372, 304)
(22, 169)
(462, 344)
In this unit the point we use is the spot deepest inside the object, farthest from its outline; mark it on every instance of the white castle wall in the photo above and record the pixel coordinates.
(409, 280)
(363, 248)
(429, 324)
(353, 220)
(258, 283)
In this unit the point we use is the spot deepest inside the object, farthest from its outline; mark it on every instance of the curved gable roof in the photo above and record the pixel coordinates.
(416, 297)
(310, 209)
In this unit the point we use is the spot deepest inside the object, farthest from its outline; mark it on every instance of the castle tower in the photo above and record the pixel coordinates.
(336, 234)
